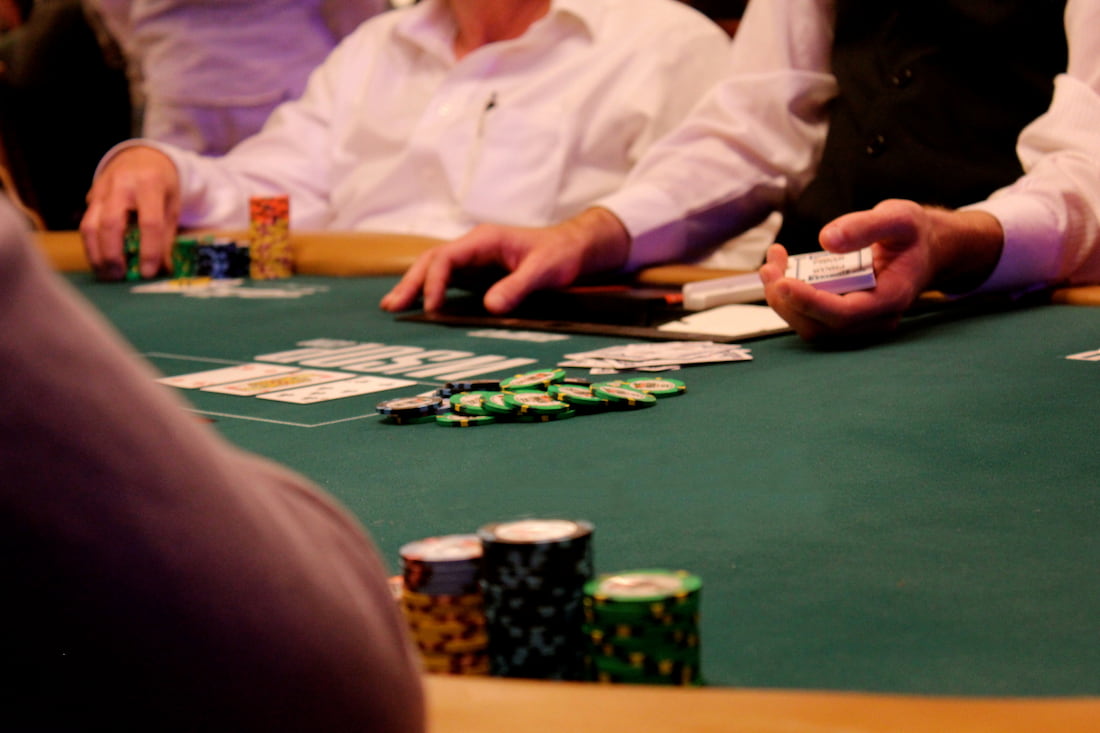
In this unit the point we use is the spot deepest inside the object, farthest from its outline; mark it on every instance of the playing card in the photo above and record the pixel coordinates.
(1093, 355)
(297, 378)
(657, 354)
(336, 390)
(183, 284)
(225, 375)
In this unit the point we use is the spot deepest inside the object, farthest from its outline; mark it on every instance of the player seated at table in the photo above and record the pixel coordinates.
(206, 75)
(156, 578)
(866, 124)
(431, 119)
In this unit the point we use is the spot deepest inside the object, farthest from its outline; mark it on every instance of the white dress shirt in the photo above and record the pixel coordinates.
(757, 138)
(394, 134)
(229, 53)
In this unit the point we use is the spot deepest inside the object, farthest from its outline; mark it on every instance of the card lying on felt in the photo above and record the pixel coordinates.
(735, 321)
(336, 390)
(225, 375)
(296, 378)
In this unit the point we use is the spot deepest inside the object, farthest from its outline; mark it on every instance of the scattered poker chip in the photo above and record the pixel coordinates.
(661, 386)
(533, 379)
(544, 416)
(526, 402)
(579, 396)
(473, 385)
(620, 394)
(470, 403)
(496, 405)
(410, 420)
(407, 407)
(456, 420)
(548, 396)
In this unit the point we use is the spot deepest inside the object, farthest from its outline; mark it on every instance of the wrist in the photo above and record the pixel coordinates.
(602, 238)
(966, 246)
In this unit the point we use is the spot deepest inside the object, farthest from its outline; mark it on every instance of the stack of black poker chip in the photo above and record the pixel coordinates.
(220, 259)
(533, 577)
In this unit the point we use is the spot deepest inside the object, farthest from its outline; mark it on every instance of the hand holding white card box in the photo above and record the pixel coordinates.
(835, 273)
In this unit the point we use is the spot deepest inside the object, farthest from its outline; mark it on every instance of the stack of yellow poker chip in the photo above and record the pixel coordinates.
(443, 605)
(643, 627)
(269, 228)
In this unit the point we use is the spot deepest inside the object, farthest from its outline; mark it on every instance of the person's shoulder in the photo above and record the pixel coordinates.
(365, 39)
(15, 242)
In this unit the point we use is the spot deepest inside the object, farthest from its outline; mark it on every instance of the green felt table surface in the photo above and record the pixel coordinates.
(920, 516)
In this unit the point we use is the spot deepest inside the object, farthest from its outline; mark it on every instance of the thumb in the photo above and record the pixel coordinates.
(888, 223)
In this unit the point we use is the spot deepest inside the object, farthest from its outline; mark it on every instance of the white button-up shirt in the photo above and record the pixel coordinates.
(757, 138)
(394, 134)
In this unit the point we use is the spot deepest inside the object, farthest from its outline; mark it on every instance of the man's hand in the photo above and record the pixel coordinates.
(536, 258)
(914, 248)
(140, 179)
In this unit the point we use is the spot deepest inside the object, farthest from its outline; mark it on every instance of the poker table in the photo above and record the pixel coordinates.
(902, 537)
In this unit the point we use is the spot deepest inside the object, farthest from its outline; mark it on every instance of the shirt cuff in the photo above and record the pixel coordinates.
(137, 142)
(1030, 256)
(653, 237)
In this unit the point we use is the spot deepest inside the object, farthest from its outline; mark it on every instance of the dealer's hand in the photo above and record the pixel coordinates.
(914, 248)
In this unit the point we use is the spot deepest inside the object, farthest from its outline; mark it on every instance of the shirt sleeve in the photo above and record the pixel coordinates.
(754, 140)
(292, 155)
(1051, 215)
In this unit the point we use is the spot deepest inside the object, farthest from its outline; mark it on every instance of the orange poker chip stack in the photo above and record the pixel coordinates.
(269, 218)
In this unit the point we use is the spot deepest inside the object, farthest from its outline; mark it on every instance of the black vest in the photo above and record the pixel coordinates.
(933, 95)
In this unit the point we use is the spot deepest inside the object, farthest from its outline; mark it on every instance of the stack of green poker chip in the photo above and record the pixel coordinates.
(184, 257)
(659, 386)
(643, 627)
(131, 248)
(623, 396)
